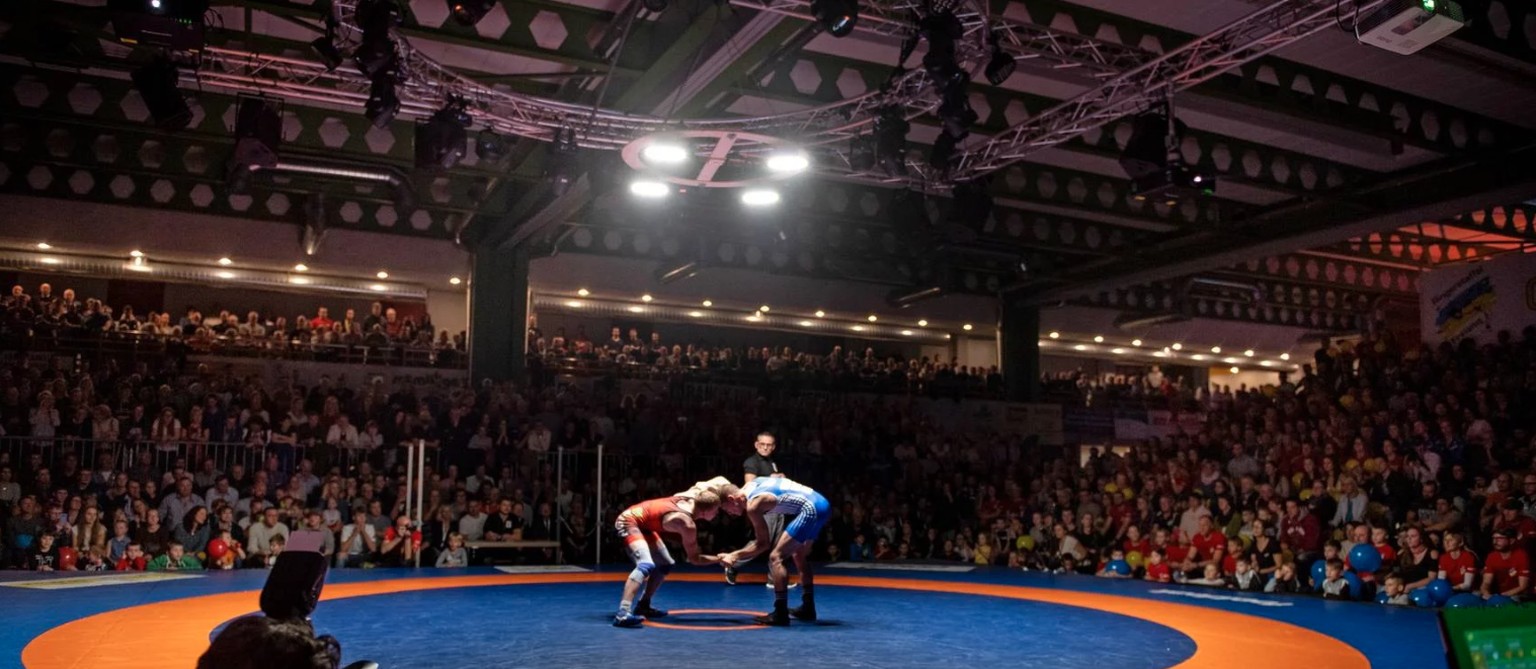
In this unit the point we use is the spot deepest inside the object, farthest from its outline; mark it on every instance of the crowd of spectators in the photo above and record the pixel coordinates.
(1425, 452)
(50, 316)
(837, 370)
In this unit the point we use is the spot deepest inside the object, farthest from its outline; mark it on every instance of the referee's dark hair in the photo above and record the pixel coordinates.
(259, 642)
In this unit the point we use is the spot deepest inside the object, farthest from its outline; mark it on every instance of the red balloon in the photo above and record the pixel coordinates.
(68, 557)
(217, 549)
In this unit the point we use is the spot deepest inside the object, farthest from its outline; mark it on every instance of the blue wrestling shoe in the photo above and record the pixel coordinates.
(648, 611)
(627, 619)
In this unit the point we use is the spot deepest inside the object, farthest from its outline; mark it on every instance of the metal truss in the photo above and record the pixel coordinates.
(1255, 35)
(1280, 303)
(1339, 272)
(1514, 220)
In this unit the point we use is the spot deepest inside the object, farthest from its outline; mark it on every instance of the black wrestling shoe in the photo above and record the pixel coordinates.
(730, 575)
(779, 618)
(648, 611)
(806, 612)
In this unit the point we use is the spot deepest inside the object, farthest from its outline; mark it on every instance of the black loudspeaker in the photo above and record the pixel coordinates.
(293, 587)
(258, 132)
(156, 83)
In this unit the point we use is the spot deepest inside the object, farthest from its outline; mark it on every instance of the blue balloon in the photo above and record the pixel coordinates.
(1382, 598)
(1120, 567)
(1500, 600)
(1319, 573)
(1354, 584)
(1364, 557)
(1465, 600)
(1422, 598)
(1440, 589)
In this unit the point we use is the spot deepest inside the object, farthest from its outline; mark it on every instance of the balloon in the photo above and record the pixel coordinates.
(1026, 542)
(1354, 584)
(1135, 559)
(1319, 573)
(1382, 597)
(1500, 600)
(1422, 598)
(68, 557)
(1364, 557)
(1119, 567)
(1440, 589)
(217, 548)
(1465, 600)
(1111, 488)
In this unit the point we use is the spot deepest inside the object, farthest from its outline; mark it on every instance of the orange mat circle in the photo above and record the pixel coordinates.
(175, 632)
(672, 624)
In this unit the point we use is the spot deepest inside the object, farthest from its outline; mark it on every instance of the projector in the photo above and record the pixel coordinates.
(1406, 26)
(1173, 184)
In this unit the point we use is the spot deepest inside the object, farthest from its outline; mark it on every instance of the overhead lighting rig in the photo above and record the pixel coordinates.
(1153, 160)
(442, 140)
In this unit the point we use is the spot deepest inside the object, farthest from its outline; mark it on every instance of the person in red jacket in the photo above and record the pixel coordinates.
(1507, 571)
(133, 559)
(1458, 564)
(1301, 531)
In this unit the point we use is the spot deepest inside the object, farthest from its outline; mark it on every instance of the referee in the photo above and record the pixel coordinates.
(758, 464)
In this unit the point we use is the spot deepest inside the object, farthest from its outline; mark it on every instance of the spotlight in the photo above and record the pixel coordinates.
(943, 151)
(382, 274)
(941, 29)
(955, 106)
(583, 292)
(891, 141)
(649, 189)
(156, 83)
(258, 132)
(469, 12)
(453, 280)
(788, 162)
(760, 197)
(226, 262)
(177, 25)
(861, 153)
(1000, 67)
(491, 147)
(442, 140)
(665, 154)
(325, 47)
(561, 169)
(837, 17)
(376, 53)
(383, 100)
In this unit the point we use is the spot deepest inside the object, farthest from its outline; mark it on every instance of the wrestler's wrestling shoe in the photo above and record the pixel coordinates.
(806, 612)
(779, 618)
(648, 611)
(627, 619)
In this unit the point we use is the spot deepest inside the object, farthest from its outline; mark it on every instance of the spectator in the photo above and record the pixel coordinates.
(400, 544)
(454, 555)
(1508, 569)
(358, 542)
(258, 543)
(175, 559)
(133, 559)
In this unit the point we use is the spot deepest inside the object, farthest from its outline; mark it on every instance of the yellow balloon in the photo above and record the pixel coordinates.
(1134, 559)
(1026, 542)
(1111, 488)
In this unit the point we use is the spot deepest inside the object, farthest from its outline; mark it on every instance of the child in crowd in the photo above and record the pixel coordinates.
(1284, 581)
(133, 559)
(454, 555)
(1211, 576)
(1245, 578)
(231, 558)
(1334, 586)
(175, 559)
(95, 559)
(277, 544)
(43, 555)
(1157, 569)
(1396, 592)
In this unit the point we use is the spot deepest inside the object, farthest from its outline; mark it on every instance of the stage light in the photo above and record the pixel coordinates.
(708, 303)
(563, 166)
(378, 287)
(225, 275)
(50, 261)
(649, 189)
(1285, 356)
(44, 246)
(763, 309)
(637, 310)
(1000, 66)
(135, 254)
(1197, 357)
(788, 163)
(327, 51)
(837, 17)
(375, 52)
(469, 12)
(696, 314)
(663, 153)
(454, 281)
(966, 327)
(1216, 349)
(1054, 335)
(760, 197)
(873, 318)
(1135, 342)
(583, 292)
(857, 328)
(443, 139)
(574, 304)
(943, 151)
(1234, 370)
(258, 132)
(821, 314)
(1229, 360)
(301, 267)
(1248, 353)
(302, 281)
(891, 141)
(646, 298)
(922, 323)
(1080, 347)
(907, 333)
(1098, 339)
(1177, 346)
(383, 101)
(226, 262)
(492, 147)
(382, 274)
(805, 324)
(156, 83)
(1117, 351)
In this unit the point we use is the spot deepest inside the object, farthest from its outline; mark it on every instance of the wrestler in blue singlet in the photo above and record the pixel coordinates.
(807, 508)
